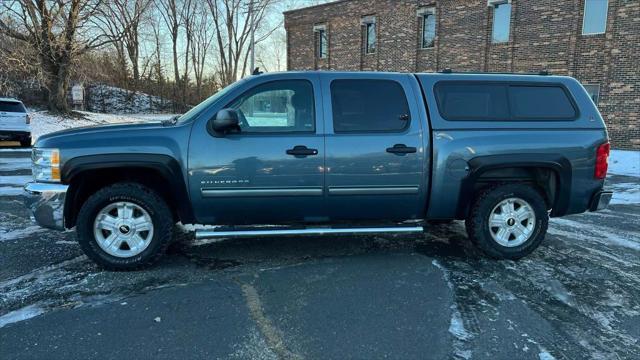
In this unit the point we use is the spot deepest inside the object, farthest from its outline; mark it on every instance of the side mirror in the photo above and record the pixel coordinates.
(225, 121)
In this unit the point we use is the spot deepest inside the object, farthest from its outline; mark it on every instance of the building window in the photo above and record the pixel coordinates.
(322, 44)
(501, 21)
(594, 92)
(369, 23)
(595, 17)
(428, 27)
(371, 38)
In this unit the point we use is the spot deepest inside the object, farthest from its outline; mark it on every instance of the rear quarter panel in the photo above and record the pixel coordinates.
(456, 143)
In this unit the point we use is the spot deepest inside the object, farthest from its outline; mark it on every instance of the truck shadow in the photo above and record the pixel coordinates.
(445, 241)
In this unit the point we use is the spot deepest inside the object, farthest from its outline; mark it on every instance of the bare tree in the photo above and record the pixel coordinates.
(233, 30)
(121, 20)
(17, 70)
(111, 27)
(271, 55)
(200, 45)
(189, 8)
(170, 13)
(59, 33)
(158, 69)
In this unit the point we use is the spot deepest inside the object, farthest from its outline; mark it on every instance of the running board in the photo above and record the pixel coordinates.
(208, 234)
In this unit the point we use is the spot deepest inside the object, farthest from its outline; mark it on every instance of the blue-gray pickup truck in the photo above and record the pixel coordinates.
(332, 153)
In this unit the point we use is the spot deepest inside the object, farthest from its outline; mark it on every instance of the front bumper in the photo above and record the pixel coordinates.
(46, 204)
(600, 200)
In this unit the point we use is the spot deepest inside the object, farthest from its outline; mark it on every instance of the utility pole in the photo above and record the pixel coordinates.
(252, 44)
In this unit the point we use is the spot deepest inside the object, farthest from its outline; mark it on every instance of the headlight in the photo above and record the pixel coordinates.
(46, 164)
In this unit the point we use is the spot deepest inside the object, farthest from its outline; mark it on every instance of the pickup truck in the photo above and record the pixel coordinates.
(14, 122)
(332, 153)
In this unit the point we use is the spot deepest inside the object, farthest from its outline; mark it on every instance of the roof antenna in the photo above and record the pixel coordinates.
(256, 71)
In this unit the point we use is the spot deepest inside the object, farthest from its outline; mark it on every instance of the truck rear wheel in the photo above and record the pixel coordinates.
(508, 221)
(124, 226)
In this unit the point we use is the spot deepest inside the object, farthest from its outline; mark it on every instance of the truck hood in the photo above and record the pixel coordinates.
(101, 131)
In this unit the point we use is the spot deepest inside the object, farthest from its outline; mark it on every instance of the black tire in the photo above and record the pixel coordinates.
(140, 195)
(477, 223)
(25, 142)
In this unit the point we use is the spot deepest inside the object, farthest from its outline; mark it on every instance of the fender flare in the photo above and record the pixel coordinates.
(166, 165)
(558, 163)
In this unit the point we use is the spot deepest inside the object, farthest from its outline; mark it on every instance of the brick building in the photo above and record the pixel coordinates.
(595, 41)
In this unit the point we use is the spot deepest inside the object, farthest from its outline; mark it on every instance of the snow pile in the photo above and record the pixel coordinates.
(624, 162)
(104, 98)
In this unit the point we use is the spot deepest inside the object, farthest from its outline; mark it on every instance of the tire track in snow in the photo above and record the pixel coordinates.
(457, 328)
(602, 234)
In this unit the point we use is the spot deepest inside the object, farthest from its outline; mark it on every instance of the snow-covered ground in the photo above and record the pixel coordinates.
(624, 162)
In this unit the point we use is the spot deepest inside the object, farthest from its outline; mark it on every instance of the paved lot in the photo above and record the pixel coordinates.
(430, 296)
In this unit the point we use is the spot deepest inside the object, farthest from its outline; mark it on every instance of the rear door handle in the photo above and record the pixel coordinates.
(302, 151)
(401, 149)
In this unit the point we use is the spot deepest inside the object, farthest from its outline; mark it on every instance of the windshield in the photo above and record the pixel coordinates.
(206, 103)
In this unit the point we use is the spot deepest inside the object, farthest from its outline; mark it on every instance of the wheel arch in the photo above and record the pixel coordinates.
(162, 173)
(552, 173)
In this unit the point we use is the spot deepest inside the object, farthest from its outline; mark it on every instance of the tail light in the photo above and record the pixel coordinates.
(602, 161)
(28, 119)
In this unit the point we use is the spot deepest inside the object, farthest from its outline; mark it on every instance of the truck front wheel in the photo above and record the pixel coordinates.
(508, 221)
(124, 226)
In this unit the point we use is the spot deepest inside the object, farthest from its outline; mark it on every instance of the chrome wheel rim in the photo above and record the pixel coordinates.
(123, 229)
(511, 222)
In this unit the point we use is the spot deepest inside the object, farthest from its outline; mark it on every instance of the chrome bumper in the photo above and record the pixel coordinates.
(46, 204)
(600, 200)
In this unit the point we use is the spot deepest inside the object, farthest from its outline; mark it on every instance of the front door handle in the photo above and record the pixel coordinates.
(302, 151)
(401, 149)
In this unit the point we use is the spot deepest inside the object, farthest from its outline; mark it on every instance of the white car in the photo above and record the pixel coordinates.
(14, 122)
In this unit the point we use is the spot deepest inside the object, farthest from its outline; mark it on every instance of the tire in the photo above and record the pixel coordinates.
(25, 142)
(142, 209)
(514, 238)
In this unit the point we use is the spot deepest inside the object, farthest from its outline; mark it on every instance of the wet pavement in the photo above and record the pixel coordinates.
(404, 296)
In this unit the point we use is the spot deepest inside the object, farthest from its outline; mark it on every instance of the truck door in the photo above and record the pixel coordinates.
(375, 162)
(271, 171)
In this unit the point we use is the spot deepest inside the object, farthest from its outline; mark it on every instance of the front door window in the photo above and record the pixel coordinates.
(277, 107)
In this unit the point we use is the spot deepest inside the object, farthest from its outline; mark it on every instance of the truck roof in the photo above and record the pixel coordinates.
(443, 74)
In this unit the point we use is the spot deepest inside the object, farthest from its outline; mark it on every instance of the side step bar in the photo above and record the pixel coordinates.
(208, 234)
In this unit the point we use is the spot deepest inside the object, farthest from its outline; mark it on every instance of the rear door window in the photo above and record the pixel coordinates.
(369, 106)
(469, 101)
(12, 106)
(540, 102)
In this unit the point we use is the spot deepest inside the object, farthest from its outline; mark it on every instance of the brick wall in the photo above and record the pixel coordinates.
(544, 35)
